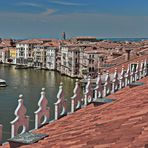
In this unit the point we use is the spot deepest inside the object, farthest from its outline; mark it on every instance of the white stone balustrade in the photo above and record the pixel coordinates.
(61, 104)
(141, 70)
(115, 82)
(107, 85)
(137, 72)
(88, 94)
(127, 76)
(43, 111)
(1, 132)
(122, 78)
(21, 119)
(145, 68)
(99, 88)
(132, 75)
(76, 98)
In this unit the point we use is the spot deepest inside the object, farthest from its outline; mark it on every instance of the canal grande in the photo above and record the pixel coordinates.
(29, 83)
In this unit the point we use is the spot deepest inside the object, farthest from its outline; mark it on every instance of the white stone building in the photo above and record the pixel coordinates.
(25, 51)
(51, 52)
(39, 54)
(70, 60)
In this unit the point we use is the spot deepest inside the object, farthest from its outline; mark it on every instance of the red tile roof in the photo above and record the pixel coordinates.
(123, 123)
(108, 45)
(51, 44)
(119, 66)
(94, 50)
(31, 41)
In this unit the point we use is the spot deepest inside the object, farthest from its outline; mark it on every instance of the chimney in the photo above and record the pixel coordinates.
(127, 54)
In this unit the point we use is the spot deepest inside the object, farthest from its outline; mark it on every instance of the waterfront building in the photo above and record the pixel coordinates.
(5, 54)
(5, 44)
(58, 59)
(9, 55)
(45, 55)
(51, 54)
(80, 60)
(59, 55)
(12, 55)
(70, 59)
(39, 54)
(0, 55)
(25, 50)
(91, 60)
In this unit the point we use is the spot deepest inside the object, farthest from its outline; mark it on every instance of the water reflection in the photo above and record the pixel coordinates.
(29, 83)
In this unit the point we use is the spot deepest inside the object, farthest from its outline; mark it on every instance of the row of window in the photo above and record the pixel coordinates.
(91, 69)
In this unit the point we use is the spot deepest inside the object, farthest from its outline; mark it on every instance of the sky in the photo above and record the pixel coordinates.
(49, 18)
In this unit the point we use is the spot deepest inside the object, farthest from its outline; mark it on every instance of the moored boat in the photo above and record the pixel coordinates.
(21, 67)
(2, 83)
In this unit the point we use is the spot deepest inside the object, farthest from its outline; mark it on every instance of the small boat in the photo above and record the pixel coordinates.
(2, 83)
(21, 67)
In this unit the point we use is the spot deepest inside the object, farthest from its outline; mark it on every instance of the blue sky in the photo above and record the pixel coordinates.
(48, 18)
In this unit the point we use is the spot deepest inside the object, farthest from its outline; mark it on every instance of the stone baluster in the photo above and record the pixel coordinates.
(132, 75)
(88, 94)
(137, 72)
(115, 82)
(21, 119)
(107, 85)
(99, 88)
(61, 104)
(42, 112)
(76, 98)
(145, 68)
(141, 70)
(127, 76)
(122, 78)
(1, 132)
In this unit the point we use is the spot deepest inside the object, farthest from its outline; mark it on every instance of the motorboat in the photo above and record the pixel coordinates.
(2, 83)
(21, 67)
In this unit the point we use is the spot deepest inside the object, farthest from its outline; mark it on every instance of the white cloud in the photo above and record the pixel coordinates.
(29, 4)
(45, 13)
(66, 3)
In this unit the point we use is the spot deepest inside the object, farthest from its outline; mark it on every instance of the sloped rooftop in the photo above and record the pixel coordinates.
(122, 123)
(126, 63)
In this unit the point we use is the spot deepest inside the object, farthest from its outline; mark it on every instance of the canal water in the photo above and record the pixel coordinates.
(29, 83)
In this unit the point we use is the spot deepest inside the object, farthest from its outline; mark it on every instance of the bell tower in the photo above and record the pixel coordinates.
(63, 36)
